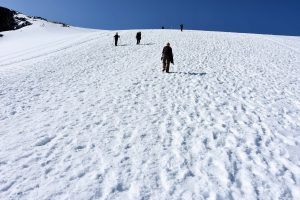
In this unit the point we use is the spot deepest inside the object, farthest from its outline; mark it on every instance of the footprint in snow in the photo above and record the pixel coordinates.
(44, 141)
(80, 147)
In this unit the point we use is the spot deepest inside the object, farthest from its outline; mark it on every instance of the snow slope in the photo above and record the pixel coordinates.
(82, 119)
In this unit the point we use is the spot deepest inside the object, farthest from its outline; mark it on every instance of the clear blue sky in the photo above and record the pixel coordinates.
(252, 16)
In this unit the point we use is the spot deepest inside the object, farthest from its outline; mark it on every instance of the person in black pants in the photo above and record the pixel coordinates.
(181, 27)
(116, 39)
(138, 37)
(167, 58)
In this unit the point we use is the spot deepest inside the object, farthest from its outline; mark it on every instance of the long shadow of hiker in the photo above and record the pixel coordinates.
(148, 44)
(190, 73)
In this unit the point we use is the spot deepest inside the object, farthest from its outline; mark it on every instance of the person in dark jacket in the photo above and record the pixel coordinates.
(138, 37)
(167, 58)
(181, 27)
(116, 39)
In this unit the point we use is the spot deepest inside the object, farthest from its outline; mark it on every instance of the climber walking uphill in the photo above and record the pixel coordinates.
(167, 58)
(181, 27)
(138, 37)
(116, 39)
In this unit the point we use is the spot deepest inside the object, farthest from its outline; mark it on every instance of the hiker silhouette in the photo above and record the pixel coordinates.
(138, 37)
(116, 39)
(167, 57)
(181, 27)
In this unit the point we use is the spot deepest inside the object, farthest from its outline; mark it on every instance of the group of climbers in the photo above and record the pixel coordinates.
(167, 53)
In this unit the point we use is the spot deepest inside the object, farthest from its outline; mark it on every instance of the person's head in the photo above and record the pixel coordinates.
(117, 33)
(168, 44)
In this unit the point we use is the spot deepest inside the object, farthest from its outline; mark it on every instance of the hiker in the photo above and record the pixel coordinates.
(181, 27)
(138, 37)
(167, 58)
(162, 27)
(116, 39)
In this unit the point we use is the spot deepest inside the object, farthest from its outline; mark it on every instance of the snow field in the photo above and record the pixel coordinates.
(82, 119)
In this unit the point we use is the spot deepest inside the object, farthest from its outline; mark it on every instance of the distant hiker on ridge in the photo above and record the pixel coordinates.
(167, 57)
(181, 27)
(162, 27)
(116, 39)
(138, 37)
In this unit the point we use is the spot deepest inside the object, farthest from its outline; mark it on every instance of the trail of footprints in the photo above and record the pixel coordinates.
(169, 135)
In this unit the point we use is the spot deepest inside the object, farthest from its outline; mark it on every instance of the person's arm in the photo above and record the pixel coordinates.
(172, 59)
(163, 54)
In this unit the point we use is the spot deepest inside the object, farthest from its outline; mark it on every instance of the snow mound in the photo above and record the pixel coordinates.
(82, 119)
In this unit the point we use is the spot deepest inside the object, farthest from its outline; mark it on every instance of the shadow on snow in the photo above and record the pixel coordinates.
(190, 73)
(148, 44)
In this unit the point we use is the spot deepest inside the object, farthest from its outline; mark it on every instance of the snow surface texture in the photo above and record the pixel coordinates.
(82, 119)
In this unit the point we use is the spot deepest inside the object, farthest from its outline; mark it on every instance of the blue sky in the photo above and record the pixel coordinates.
(251, 16)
